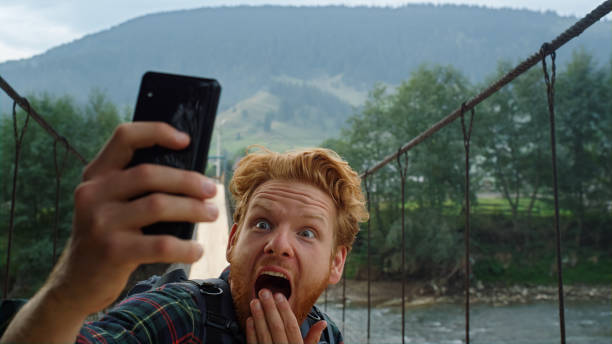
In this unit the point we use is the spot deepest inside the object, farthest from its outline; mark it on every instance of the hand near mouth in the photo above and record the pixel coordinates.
(273, 321)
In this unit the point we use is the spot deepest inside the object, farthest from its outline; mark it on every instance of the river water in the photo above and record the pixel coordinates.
(537, 323)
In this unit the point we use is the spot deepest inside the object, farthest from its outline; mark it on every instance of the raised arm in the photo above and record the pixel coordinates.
(106, 244)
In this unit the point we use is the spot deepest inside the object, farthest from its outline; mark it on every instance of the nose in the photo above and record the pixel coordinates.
(280, 242)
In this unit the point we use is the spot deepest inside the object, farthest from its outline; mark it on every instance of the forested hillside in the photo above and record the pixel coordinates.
(313, 62)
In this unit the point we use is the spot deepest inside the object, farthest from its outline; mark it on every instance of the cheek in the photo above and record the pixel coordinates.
(247, 247)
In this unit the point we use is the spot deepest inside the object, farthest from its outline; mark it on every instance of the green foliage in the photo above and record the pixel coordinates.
(589, 272)
(382, 126)
(583, 129)
(542, 270)
(511, 137)
(387, 120)
(432, 245)
(510, 163)
(86, 128)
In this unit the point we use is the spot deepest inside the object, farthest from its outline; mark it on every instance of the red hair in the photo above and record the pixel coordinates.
(320, 167)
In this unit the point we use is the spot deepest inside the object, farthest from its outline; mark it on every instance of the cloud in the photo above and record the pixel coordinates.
(11, 52)
(25, 32)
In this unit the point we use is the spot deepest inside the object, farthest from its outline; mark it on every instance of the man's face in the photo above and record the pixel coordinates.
(285, 244)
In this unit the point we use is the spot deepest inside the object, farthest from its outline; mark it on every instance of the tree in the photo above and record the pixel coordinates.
(386, 122)
(583, 135)
(513, 140)
(85, 128)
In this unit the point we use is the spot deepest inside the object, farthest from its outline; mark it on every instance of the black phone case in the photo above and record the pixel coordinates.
(188, 104)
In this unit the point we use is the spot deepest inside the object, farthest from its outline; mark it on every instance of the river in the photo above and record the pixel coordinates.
(536, 323)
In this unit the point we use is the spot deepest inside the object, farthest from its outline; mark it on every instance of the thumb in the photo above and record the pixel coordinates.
(315, 332)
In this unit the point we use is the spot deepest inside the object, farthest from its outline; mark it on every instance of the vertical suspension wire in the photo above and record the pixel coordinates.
(403, 171)
(18, 140)
(367, 187)
(550, 93)
(466, 145)
(58, 176)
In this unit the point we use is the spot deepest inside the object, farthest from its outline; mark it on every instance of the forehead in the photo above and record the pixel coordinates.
(305, 197)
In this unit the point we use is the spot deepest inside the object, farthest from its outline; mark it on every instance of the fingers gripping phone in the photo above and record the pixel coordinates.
(188, 104)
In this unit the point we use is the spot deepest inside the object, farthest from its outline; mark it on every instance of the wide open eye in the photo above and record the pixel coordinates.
(307, 233)
(263, 225)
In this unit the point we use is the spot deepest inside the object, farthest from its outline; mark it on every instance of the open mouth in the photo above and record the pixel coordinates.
(275, 282)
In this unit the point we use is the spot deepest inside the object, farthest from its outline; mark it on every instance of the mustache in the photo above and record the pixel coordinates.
(272, 261)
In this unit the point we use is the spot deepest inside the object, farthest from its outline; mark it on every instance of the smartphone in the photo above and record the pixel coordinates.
(189, 104)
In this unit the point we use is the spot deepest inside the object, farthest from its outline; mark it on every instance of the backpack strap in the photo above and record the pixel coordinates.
(220, 325)
(214, 299)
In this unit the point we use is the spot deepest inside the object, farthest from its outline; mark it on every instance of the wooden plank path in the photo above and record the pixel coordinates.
(213, 236)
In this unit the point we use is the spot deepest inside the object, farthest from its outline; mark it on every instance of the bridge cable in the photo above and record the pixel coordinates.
(18, 136)
(403, 171)
(367, 188)
(550, 93)
(466, 144)
(25, 105)
(30, 112)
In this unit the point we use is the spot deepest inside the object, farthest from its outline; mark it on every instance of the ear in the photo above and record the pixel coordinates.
(337, 265)
(231, 242)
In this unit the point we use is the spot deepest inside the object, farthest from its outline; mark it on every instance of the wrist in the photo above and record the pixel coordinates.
(58, 299)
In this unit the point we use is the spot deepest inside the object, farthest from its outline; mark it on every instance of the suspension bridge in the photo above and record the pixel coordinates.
(214, 235)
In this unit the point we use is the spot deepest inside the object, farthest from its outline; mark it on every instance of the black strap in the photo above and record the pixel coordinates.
(220, 325)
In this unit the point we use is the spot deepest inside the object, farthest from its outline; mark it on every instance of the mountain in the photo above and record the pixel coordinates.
(292, 75)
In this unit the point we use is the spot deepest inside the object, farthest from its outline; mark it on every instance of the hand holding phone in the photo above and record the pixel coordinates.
(188, 104)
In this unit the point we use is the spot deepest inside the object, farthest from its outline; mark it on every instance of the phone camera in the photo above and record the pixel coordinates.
(150, 95)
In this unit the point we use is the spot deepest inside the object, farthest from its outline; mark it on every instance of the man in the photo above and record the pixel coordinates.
(296, 218)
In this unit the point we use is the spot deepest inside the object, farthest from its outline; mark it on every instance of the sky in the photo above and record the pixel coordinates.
(31, 27)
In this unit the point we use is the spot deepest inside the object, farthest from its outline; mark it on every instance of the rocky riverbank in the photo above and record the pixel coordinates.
(389, 293)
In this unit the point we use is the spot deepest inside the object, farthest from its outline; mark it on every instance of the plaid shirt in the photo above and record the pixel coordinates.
(168, 314)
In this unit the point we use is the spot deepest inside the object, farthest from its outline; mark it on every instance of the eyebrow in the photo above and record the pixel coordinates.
(314, 217)
(263, 206)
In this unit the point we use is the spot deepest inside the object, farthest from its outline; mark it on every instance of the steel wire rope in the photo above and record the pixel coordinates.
(367, 187)
(466, 145)
(30, 113)
(403, 171)
(25, 105)
(18, 137)
(550, 95)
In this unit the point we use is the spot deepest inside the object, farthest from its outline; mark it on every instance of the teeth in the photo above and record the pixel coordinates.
(274, 273)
